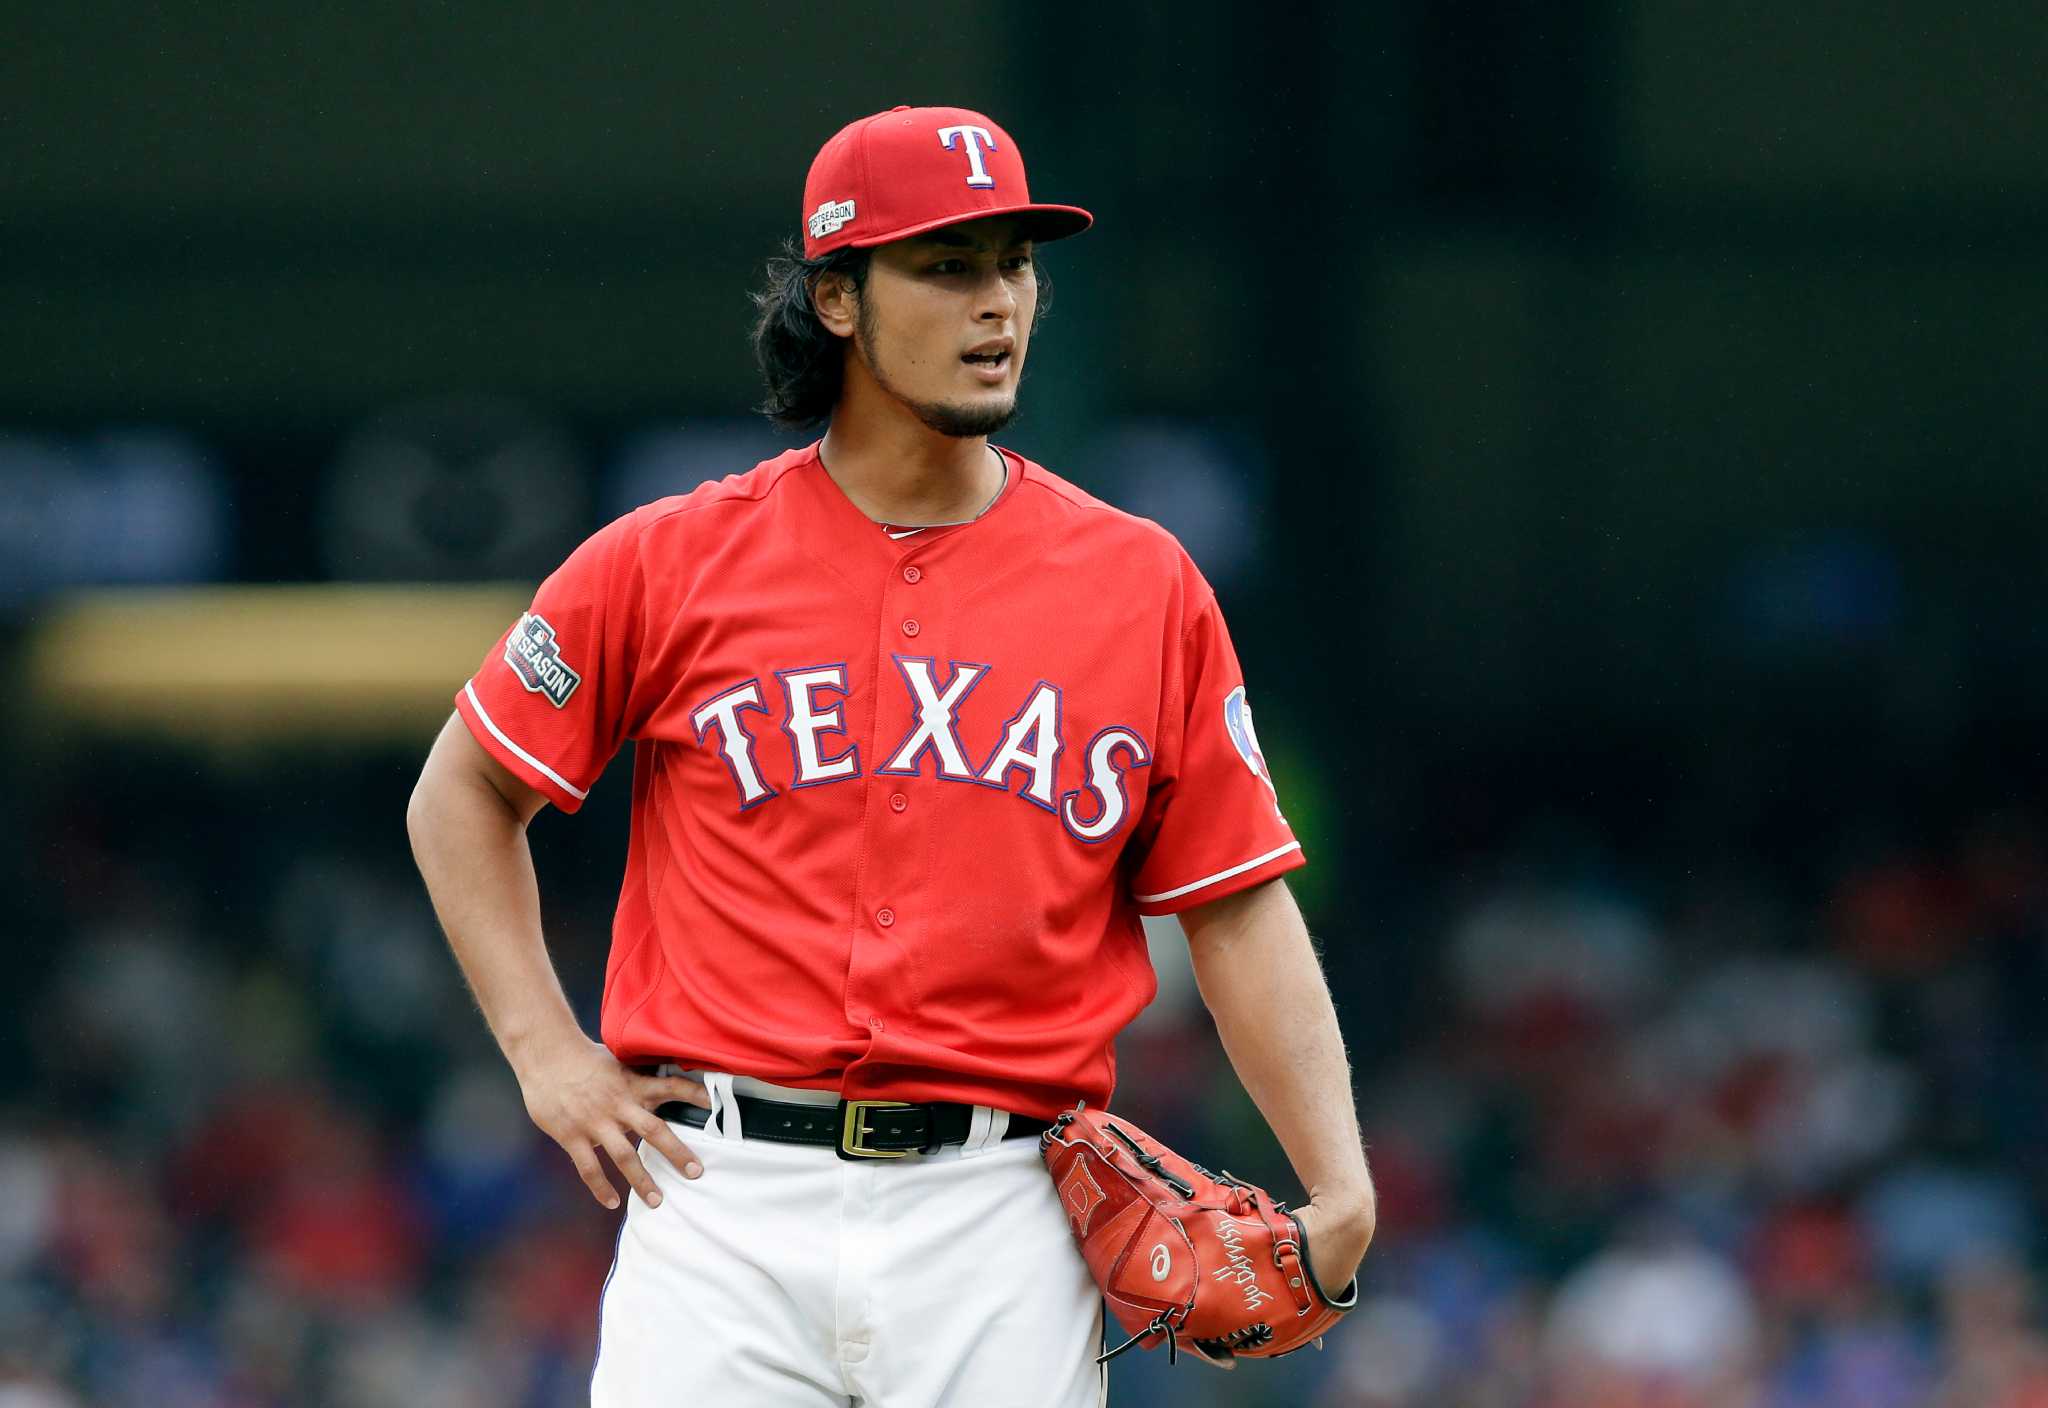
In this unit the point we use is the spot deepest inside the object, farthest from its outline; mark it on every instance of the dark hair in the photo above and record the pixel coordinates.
(800, 360)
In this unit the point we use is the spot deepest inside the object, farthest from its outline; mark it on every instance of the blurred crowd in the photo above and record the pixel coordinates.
(1728, 1148)
(1645, 1140)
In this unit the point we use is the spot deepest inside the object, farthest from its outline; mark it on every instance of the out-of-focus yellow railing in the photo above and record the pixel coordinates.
(229, 664)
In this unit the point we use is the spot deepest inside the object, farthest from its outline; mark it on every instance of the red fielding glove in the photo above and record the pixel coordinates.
(1184, 1255)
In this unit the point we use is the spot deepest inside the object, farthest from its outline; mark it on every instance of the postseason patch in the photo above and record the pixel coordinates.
(533, 655)
(830, 218)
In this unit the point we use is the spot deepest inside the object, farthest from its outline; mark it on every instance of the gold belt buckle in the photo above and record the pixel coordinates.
(854, 1129)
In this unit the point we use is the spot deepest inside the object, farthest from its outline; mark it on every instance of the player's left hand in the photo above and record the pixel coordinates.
(1337, 1232)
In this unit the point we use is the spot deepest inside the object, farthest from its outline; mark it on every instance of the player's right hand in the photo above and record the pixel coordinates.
(584, 1100)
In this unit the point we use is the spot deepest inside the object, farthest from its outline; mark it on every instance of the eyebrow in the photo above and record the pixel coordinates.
(953, 239)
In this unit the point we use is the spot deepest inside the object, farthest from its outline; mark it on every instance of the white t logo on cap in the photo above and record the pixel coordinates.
(977, 140)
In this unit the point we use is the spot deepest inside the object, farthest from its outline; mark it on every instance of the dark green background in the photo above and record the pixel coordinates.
(1647, 398)
(1548, 323)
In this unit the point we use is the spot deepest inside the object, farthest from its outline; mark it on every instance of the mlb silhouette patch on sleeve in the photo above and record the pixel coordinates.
(534, 656)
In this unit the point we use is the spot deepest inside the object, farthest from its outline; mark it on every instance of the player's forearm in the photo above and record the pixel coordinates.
(1259, 975)
(471, 850)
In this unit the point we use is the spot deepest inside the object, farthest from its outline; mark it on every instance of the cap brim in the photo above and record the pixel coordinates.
(1046, 222)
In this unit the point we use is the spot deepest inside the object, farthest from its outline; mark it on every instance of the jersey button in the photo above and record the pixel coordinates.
(897, 801)
(913, 573)
(875, 1024)
(885, 917)
(911, 628)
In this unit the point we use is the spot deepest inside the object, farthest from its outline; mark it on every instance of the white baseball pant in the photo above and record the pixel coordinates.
(787, 1277)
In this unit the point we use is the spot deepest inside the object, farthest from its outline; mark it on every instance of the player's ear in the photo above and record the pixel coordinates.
(837, 303)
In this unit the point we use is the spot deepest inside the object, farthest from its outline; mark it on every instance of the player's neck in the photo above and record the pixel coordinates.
(897, 469)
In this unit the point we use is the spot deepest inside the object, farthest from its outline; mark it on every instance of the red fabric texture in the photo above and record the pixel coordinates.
(901, 865)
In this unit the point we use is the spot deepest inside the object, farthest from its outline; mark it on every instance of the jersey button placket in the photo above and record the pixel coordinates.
(883, 965)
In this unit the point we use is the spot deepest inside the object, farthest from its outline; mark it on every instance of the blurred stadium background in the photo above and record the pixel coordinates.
(1615, 431)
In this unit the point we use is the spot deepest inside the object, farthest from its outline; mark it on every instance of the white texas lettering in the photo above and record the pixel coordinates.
(804, 721)
(1106, 781)
(1030, 741)
(734, 742)
(934, 727)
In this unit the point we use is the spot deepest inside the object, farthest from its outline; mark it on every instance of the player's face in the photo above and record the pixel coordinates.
(944, 322)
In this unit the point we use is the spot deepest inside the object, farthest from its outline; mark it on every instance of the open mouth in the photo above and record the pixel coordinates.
(989, 366)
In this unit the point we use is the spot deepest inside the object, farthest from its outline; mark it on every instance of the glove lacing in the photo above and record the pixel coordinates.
(1162, 1324)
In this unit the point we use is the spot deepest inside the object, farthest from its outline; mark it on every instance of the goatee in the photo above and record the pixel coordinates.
(960, 422)
(965, 422)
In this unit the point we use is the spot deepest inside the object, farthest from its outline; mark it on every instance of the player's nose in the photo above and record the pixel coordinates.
(996, 300)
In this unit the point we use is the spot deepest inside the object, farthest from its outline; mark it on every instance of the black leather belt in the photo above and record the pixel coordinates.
(858, 1129)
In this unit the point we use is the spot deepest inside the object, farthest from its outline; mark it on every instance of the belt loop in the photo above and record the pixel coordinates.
(724, 1109)
(985, 1130)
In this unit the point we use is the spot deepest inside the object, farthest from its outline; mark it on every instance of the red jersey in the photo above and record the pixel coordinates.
(898, 803)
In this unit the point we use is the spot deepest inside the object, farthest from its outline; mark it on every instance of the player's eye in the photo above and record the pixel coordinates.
(950, 266)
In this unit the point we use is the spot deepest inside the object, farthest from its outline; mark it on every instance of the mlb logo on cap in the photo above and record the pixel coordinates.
(908, 170)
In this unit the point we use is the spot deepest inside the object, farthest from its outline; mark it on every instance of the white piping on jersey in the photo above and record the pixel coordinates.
(1254, 862)
(520, 753)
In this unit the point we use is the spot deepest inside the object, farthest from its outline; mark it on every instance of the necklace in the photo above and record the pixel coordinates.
(904, 530)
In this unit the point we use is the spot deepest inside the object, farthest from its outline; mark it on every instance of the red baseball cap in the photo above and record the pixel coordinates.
(908, 170)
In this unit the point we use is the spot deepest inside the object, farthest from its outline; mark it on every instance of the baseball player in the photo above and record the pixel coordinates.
(920, 731)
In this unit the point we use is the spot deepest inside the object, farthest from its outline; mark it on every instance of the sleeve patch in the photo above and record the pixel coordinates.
(1237, 718)
(1237, 721)
(534, 655)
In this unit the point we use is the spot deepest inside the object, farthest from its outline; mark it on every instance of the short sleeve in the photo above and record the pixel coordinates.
(1213, 824)
(551, 699)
